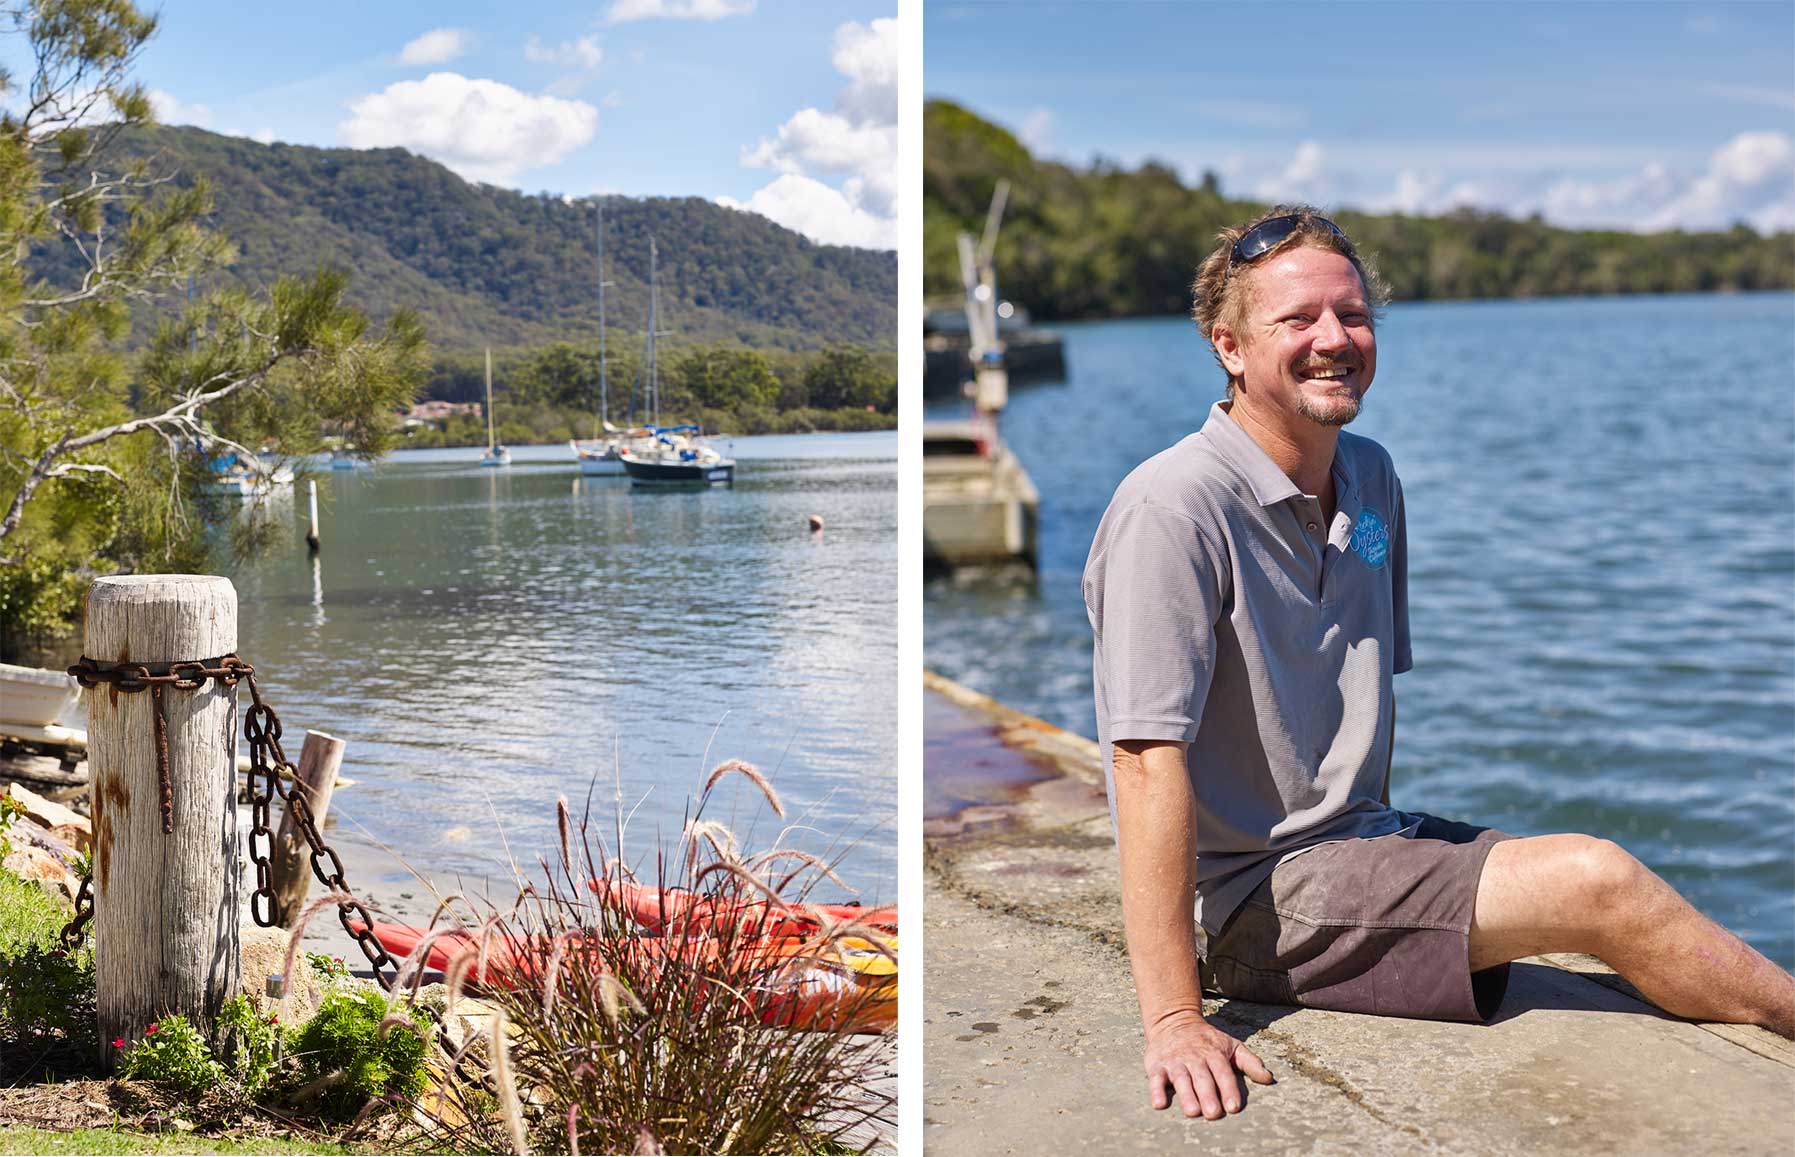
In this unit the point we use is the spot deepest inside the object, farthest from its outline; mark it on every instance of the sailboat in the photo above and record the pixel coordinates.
(496, 455)
(599, 456)
(669, 455)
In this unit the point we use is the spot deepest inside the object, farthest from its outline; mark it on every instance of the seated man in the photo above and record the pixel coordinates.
(1248, 592)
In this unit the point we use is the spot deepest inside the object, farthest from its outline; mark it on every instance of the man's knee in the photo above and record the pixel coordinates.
(1601, 876)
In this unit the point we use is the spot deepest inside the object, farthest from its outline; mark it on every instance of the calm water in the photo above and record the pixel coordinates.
(489, 639)
(1602, 575)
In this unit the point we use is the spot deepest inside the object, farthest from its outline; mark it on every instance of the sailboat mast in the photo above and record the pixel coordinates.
(654, 323)
(490, 440)
(604, 389)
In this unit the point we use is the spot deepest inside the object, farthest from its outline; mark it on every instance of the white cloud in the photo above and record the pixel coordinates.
(867, 54)
(624, 10)
(171, 110)
(1750, 178)
(820, 212)
(856, 141)
(484, 130)
(264, 135)
(1037, 131)
(1305, 178)
(582, 53)
(438, 46)
(826, 141)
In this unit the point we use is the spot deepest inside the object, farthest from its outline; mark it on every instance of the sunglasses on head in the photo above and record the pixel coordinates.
(1268, 235)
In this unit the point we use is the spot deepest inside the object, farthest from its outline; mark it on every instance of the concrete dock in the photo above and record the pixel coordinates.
(1033, 1040)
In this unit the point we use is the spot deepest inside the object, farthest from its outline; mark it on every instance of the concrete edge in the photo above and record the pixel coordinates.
(1076, 757)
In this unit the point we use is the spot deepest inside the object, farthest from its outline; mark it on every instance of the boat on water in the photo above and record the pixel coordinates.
(668, 455)
(234, 477)
(676, 456)
(599, 455)
(496, 455)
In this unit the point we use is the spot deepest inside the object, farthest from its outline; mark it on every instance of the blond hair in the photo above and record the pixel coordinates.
(1217, 297)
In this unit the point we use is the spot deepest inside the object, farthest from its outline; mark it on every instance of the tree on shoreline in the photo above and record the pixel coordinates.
(102, 453)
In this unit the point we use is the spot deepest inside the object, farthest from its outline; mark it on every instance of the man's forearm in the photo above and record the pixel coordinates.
(1156, 822)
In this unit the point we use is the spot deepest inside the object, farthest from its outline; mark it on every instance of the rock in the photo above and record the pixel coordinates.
(35, 864)
(263, 954)
(50, 815)
(79, 837)
(27, 831)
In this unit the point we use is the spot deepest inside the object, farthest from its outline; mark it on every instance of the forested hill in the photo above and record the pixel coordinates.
(488, 265)
(1105, 241)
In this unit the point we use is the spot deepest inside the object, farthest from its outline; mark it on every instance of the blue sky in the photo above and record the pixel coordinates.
(1641, 116)
(784, 106)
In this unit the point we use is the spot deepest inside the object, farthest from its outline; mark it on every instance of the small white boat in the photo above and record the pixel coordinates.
(34, 698)
(598, 457)
(230, 476)
(342, 460)
(496, 455)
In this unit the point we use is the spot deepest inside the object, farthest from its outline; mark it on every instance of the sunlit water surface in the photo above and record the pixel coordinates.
(487, 640)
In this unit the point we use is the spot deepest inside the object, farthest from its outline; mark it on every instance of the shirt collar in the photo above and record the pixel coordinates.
(1270, 484)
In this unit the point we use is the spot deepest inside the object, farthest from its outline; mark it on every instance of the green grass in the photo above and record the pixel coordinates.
(24, 1140)
(27, 915)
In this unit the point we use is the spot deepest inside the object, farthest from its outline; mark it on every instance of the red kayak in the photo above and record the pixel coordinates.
(663, 910)
(849, 985)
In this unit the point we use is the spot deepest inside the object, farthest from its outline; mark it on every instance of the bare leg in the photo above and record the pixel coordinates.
(1574, 893)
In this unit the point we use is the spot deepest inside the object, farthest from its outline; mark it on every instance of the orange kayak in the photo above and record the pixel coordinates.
(663, 910)
(849, 985)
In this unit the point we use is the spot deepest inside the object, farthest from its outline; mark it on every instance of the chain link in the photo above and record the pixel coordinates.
(267, 764)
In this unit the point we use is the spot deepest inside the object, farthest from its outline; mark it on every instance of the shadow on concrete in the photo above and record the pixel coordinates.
(1536, 987)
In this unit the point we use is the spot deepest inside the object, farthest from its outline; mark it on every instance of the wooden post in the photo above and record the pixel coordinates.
(291, 862)
(165, 904)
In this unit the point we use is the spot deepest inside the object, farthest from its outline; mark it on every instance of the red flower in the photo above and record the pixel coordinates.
(274, 1018)
(118, 1042)
(151, 1029)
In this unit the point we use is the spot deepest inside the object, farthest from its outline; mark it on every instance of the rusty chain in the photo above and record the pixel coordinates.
(267, 763)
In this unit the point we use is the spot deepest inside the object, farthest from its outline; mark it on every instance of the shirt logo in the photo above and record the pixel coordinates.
(1371, 538)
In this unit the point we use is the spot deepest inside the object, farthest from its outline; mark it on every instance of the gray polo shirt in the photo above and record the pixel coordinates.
(1227, 615)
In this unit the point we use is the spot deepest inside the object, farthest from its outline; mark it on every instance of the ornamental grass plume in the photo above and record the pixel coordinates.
(700, 1034)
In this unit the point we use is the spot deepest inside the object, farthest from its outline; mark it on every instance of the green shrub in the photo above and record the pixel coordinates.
(45, 990)
(10, 810)
(173, 1056)
(250, 1038)
(344, 1036)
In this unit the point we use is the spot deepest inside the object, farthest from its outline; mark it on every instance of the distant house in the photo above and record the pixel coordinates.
(434, 412)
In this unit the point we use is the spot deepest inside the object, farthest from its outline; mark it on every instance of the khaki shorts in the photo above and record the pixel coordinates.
(1380, 926)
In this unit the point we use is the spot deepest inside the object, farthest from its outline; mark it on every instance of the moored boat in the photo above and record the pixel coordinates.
(496, 455)
(676, 456)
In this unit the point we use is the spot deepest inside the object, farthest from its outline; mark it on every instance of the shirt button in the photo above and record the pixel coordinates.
(1313, 526)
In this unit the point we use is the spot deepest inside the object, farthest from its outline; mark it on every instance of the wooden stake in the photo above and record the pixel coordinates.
(290, 863)
(165, 904)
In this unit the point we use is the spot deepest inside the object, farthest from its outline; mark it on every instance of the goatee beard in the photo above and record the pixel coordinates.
(1344, 409)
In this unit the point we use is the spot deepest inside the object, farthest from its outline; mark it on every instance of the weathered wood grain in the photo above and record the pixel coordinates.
(165, 905)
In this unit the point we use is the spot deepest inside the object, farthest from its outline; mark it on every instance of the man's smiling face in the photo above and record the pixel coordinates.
(1305, 346)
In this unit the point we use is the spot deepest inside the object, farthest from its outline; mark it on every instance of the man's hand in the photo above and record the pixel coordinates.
(1199, 1061)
